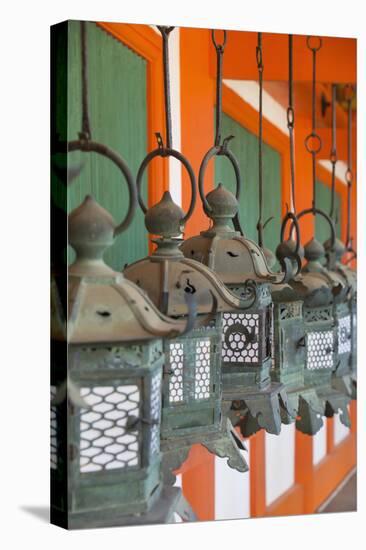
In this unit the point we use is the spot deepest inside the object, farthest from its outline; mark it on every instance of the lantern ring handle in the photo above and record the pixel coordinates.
(317, 43)
(313, 143)
(295, 224)
(317, 211)
(167, 152)
(87, 146)
(218, 150)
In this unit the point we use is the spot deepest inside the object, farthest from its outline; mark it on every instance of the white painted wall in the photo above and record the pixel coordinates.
(232, 490)
(340, 431)
(272, 110)
(341, 168)
(280, 462)
(178, 483)
(175, 167)
(320, 444)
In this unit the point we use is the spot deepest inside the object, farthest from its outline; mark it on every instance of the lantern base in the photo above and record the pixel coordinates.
(305, 408)
(346, 385)
(223, 442)
(170, 501)
(259, 409)
(310, 412)
(335, 402)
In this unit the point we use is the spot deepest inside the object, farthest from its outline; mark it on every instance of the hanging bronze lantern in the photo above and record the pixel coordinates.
(321, 291)
(111, 403)
(289, 336)
(345, 312)
(192, 382)
(106, 376)
(256, 401)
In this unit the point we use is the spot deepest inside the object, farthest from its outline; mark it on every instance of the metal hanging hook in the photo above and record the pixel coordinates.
(220, 147)
(259, 57)
(313, 143)
(333, 152)
(165, 33)
(349, 173)
(166, 150)
(85, 145)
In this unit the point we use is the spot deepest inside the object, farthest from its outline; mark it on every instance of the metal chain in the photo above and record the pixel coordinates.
(259, 56)
(165, 32)
(85, 133)
(349, 173)
(333, 152)
(291, 119)
(313, 141)
(219, 58)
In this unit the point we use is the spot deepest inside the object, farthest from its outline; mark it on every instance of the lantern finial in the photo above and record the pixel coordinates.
(223, 208)
(91, 230)
(314, 251)
(165, 218)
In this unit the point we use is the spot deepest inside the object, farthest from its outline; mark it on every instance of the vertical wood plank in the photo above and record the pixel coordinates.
(118, 116)
(197, 115)
(257, 474)
(198, 483)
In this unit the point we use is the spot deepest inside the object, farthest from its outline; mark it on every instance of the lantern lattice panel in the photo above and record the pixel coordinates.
(240, 337)
(105, 442)
(202, 373)
(53, 431)
(176, 379)
(155, 412)
(191, 364)
(320, 350)
(344, 332)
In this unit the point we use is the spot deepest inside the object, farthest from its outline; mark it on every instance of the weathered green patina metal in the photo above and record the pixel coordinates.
(321, 291)
(345, 315)
(256, 401)
(192, 387)
(111, 398)
(289, 349)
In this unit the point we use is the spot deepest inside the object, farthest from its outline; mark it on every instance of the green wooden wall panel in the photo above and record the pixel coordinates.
(323, 198)
(245, 148)
(118, 115)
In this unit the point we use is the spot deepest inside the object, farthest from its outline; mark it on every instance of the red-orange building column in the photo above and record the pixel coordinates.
(197, 136)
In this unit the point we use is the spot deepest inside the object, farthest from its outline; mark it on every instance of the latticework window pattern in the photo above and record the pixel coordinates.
(155, 412)
(240, 337)
(105, 443)
(273, 357)
(53, 431)
(320, 350)
(290, 310)
(344, 334)
(176, 367)
(202, 372)
(312, 315)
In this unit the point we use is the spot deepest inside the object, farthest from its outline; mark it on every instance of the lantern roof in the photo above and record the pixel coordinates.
(167, 276)
(104, 307)
(347, 273)
(309, 287)
(314, 254)
(232, 256)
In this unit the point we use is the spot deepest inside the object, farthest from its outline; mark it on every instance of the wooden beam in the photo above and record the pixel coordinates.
(336, 60)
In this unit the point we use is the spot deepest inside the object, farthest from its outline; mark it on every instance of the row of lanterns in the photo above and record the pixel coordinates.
(193, 344)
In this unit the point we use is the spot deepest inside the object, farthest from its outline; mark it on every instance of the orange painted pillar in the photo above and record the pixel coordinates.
(197, 135)
(258, 474)
(303, 171)
(197, 114)
(198, 482)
